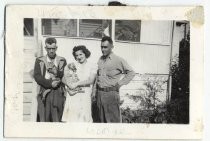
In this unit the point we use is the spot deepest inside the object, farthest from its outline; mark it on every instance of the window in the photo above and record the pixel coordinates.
(127, 30)
(88, 28)
(156, 32)
(59, 27)
(28, 27)
(94, 28)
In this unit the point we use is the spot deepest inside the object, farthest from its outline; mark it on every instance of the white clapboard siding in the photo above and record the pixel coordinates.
(29, 59)
(26, 117)
(27, 97)
(143, 58)
(27, 77)
(133, 85)
(26, 111)
(27, 87)
(27, 108)
(157, 32)
(30, 45)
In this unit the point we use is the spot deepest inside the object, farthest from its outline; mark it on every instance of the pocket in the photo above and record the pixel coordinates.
(115, 97)
(118, 98)
(111, 73)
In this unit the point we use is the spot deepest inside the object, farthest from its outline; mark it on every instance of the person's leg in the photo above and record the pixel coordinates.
(60, 109)
(54, 107)
(55, 114)
(113, 113)
(40, 110)
(48, 107)
(111, 102)
(100, 107)
(94, 112)
(57, 105)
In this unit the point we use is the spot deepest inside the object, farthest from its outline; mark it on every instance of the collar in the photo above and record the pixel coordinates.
(54, 60)
(110, 56)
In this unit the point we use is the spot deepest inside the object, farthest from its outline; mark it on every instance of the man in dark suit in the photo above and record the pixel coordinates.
(48, 73)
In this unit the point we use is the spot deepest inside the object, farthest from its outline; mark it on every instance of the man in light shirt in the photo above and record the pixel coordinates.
(111, 68)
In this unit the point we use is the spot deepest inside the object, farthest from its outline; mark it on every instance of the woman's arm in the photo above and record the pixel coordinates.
(87, 82)
(92, 77)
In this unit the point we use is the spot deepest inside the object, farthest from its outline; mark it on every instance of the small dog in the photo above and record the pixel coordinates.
(72, 77)
(52, 70)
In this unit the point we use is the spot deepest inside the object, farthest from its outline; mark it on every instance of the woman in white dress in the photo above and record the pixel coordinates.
(78, 105)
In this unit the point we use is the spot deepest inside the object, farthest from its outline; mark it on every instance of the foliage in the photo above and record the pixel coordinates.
(178, 107)
(159, 115)
(152, 110)
(174, 111)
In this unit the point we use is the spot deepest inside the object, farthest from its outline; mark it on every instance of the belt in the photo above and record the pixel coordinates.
(107, 89)
(86, 86)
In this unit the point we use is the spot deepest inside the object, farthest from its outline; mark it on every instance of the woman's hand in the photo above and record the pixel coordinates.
(73, 86)
(71, 92)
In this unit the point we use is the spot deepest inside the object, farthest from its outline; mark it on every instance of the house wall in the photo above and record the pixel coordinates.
(30, 45)
(152, 55)
(144, 58)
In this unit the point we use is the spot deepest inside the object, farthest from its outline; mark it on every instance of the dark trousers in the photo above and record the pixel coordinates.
(51, 110)
(108, 104)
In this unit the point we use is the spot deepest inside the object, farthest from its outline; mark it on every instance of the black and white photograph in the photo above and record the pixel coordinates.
(106, 70)
(89, 72)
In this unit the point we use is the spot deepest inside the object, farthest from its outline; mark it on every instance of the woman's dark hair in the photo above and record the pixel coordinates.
(83, 49)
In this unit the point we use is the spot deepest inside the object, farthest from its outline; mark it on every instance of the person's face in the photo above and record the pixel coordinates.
(80, 56)
(106, 48)
(51, 50)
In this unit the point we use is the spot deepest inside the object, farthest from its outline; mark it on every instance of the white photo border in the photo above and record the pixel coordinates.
(14, 126)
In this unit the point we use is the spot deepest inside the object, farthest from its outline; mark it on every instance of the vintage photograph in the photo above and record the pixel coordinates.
(106, 70)
(102, 72)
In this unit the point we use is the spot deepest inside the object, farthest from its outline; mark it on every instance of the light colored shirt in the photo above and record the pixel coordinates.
(47, 74)
(113, 70)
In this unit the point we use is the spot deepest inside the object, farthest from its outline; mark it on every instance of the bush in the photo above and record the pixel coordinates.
(178, 107)
(174, 111)
(152, 110)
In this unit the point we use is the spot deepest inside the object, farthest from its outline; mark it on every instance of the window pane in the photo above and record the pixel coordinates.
(156, 32)
(94, 28)
(59, 27)
(127, 30)
(28, 27)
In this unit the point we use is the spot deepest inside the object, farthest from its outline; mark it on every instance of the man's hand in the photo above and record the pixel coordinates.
(118, 87)
(53, 70)
(55, 83)
(93, 96)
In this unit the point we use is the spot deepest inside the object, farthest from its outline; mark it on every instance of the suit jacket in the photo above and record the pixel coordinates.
(40, 70)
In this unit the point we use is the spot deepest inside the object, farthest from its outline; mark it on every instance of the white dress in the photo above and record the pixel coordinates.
(77, 108)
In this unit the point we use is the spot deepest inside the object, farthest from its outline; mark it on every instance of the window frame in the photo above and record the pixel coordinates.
(127, 41)
(112, 28)
(33, 29)
(47, 35)
(77, 31)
